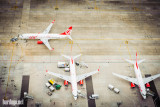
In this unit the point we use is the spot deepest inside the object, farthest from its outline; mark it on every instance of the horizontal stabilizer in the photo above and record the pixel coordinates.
(132, 62)
(77, 56)
(68, 57)
(140, 61)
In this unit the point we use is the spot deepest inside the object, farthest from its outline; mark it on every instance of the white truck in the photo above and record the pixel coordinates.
(48, 85)
(116, 90)
(62, 64)
(66, 69)
(111, 87)
(51, 88)
(94, 96)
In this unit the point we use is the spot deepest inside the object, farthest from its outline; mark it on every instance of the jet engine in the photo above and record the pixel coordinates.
(66, 83)
(81, 82)
(132, 85)
(147, 85)
(39, 42)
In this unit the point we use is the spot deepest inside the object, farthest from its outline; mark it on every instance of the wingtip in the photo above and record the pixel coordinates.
(52, 49)
(53, 21)
(70, 27)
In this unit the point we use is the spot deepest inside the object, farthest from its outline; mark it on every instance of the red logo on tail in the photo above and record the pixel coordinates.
(67, 32)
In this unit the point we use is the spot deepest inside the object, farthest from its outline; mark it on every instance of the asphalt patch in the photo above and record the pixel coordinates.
(90, 91)
(24, 88)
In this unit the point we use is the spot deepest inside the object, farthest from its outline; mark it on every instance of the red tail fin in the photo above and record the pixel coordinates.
(67, 32)
(136, 61)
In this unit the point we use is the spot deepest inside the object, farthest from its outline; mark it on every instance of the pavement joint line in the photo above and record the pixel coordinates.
(111, 61)
(9, 70)
(110, 39)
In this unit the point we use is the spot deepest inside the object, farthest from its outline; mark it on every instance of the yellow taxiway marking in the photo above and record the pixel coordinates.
(95, 6)
(56, 7)
(128, 49)
(9, 70)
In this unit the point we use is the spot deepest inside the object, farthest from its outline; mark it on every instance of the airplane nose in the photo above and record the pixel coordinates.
(20, 36)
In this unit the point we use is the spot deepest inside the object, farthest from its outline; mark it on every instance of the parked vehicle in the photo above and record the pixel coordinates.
(111, 87)
(48, 85)
(51, 88)
(116, 90)
(14, 39)
(66, 70)
(94, 96)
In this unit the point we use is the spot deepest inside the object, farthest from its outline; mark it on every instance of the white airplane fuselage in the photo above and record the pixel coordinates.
(140, 81)
(42, 36)
(73, 78)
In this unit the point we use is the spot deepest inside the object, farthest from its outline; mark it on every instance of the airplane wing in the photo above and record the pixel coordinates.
(148, 79)
(45, 41)
(83, 76)
(133, 80)
(46, 31)
(64, 77)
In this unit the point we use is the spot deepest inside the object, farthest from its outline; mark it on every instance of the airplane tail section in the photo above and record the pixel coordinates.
(135, 62)
(67, 32)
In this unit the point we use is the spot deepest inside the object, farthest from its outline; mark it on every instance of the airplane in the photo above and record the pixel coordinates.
(44, 37)
(139, 81)
(73, 79)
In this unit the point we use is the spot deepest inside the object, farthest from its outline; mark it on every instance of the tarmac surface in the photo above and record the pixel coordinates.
(25, 87)
(105, 32)
(90, 91)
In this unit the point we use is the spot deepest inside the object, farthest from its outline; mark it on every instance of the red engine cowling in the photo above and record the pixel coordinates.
(66, 83)
(147, 85)
(81, 82)
(39, 42)
(132, 85)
